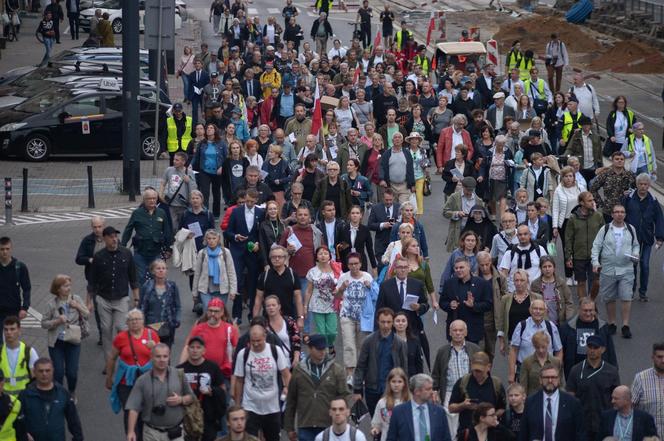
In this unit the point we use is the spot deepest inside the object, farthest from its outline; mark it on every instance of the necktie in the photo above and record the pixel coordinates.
(548, 422)
(402, 291)
(387, 212)
(250, 89)
(198, 76)
(423, 423)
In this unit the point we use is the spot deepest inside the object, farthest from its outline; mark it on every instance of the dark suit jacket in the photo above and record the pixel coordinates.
(388, 296)
(338, 231)
(450, 185)
(238, 225)
(257, 92)
(485, 91)
(643, 425)
(201, 83)
(543, 232)
(569, 425)
(491, 114)
(363, 243)
(377, 217)
(401, 423)
(68, 4)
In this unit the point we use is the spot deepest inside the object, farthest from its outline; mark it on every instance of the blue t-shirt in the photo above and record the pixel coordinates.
(210, 159)
(287, 105)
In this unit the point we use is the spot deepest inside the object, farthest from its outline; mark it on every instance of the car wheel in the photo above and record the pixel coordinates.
(117, 26)
(149, 146)
(37, 148)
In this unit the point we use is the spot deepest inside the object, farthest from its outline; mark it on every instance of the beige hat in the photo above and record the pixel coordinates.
(498, 95)
(414, 135)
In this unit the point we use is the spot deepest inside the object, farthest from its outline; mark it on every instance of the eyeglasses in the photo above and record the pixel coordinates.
(214, 311)
(277, 256)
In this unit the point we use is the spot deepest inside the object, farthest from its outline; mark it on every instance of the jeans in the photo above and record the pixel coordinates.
(73, 25)
(143, 266)
(48, 46)
(113, 317)
(207, 181)
(644, 273)
(186, 86)
(65, 362)
(206, 297)
(308, 433)
(270, 424)
(371, 398)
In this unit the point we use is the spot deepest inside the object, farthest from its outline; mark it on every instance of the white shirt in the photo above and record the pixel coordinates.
(341, 52)
(249, 217)
(329, 229)
(261, 392)
(555, 398)
(620, 128)
(587, 142)
(359, 436)
(456, 140)
(533, 227)
(353, 236)
(499, 117)
(511, 259)
(416, 419)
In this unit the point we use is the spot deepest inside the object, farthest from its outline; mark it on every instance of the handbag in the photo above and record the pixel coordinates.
(72, 334)
(16, 21)
(169, 200)
(5, 19)
(426, 191)
(164, 331)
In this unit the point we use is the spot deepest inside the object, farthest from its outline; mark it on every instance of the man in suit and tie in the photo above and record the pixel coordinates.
(551, 414)
(250, 85)
(331, 227)
(540, 230)
(637, 422)
(198, 79)
(419, 419)
(242, 235)
(382, 218)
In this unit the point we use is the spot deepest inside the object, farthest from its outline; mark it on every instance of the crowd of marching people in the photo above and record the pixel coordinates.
(293, 205)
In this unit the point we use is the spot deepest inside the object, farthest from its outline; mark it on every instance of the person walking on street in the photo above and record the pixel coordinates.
(57, 15)
(179, 131)
(640, 148)
(90, 245)
(556, 58)
(46, 35)
(47, 406)
(364, 16)
(315, 383)
(206, 382)
(14, 283)
(153, 234)
(237, 425)
(112, 271)
(339, 413)
(64, 312)
(73, 12)
(614, 255)
(586, 146)
(645, 214)
(176, 186)
(159, 399)
(321, 31)
(648, 388)
(12, 427)
(623, 419)
(160, 302)
(17, 359)
(105, 31)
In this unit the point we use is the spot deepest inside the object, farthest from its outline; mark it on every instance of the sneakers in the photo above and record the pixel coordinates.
(612, 328)
(626, 333)
(643, 298)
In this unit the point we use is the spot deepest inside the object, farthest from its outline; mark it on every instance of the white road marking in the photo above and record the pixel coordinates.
(252, 11)
(46, 218)
(273, 11)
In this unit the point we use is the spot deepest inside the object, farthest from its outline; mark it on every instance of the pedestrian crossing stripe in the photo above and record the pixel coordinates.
(47, 218)
(273, 10)
(32, 320)
(252, 11)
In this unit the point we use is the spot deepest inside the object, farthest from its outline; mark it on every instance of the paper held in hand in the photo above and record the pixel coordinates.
(409, 300)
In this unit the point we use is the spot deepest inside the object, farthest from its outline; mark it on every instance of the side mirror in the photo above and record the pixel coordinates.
(62, 116)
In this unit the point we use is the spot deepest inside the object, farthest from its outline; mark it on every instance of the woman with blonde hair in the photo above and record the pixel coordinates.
(214, 271)
(396, 392)
(64, 311)
(269, 231)
(514, 308)
(565, 198)
(394, 248)
(419, 267)
(160, 302)
(533, 364)
(186, 67)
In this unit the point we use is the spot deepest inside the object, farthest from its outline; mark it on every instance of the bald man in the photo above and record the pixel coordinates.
(636, 422)
(456, 355)
(90, 244)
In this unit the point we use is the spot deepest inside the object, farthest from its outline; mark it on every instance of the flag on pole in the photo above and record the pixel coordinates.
(317, 117)
(432, 26)
(356, 75)
(377, 40)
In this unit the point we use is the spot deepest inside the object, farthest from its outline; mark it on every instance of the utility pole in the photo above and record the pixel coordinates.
(131, 169)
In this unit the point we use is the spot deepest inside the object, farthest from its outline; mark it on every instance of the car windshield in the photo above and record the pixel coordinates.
(64, 55)
(44, 101)
(108, 4)
(35, 76)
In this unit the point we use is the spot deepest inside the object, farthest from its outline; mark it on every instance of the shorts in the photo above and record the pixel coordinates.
(612, 288)
(583, 270)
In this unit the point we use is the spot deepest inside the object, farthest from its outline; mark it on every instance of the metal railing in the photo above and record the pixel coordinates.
(654, 8)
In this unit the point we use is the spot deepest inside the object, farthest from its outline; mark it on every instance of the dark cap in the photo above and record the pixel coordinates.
(214, 74)
(197, 338)
(237, 110)
(469, 182)
(109, 231)
(585, 121)
(596, 341)
(317, 341)
(536, 133)
(177, 106)
(573, 99)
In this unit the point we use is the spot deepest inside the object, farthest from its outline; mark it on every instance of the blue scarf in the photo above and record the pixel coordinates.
(213, 264)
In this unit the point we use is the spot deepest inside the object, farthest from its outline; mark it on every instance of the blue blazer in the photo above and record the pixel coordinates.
(201, 83)
(569, 426)
(237, 224)
(401, 423)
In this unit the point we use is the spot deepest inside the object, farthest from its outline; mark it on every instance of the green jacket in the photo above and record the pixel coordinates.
(575, 148)
(344, 154)
(152, 231)
(452, 205)
(310, 399)
(580, 233)
(345, 200)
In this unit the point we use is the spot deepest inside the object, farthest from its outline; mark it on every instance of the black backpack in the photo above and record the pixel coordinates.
(353, 432)
(628, 227)
(275, 355)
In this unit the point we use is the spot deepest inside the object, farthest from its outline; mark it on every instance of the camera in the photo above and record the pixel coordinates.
(159, 410)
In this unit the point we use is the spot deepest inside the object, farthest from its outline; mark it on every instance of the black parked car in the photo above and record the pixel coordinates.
(77, 121)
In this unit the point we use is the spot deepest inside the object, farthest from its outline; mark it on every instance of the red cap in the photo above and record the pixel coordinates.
(216, 302)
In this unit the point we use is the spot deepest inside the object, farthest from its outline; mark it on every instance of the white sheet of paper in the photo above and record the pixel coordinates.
(195, 228)
(263, 175)
(435, 318)
(292, 138)
(410, 299)
(456, 173)
(333, 151)
(293, 240)
(197, 91)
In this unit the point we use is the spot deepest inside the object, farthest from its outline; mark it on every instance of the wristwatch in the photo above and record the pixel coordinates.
(302, 317)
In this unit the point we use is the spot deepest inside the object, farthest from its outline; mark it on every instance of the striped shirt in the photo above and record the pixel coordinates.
(648, 395)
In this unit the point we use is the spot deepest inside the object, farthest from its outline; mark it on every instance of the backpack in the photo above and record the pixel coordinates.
(463, 385)
(547, 323)
(193, 414)
(275, 355)
(606, 230)
(512, 248)
(353, 432)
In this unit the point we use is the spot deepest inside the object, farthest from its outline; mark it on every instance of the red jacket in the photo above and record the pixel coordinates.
(444, 149)
(227, 218)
